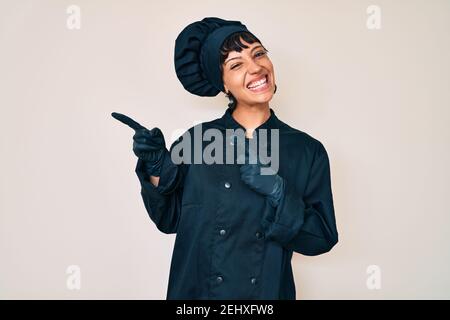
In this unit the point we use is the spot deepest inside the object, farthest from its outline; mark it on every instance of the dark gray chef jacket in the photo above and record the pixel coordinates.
(221, 249)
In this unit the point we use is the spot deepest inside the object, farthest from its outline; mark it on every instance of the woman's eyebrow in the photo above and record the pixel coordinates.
(238, 57)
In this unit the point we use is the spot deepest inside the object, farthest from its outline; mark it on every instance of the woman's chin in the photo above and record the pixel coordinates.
(261, 97)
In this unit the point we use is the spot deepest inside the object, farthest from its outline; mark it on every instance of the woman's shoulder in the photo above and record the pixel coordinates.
(301, 136)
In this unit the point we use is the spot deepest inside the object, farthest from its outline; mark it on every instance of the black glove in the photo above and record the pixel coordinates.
(270, 185)
(148, 145)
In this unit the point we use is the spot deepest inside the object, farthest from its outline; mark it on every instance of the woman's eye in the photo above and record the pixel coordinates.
(260, 53)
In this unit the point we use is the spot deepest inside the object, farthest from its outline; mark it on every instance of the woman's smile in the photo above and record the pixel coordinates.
(259, 85)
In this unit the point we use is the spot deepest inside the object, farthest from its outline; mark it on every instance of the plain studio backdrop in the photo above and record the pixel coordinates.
(377, 98)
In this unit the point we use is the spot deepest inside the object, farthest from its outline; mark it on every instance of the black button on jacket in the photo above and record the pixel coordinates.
(221, 250)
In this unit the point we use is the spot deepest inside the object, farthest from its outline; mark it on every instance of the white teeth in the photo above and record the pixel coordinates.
(257, 83)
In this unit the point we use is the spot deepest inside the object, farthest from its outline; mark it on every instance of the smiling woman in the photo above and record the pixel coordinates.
(237, 52)
(236, 227)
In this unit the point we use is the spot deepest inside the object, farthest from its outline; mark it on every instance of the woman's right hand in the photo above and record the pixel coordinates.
(148, 145)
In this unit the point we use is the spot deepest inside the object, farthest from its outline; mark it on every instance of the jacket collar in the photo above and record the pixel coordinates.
(231, 123)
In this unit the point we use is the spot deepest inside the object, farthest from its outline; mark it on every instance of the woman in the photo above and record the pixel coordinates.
(236, 227)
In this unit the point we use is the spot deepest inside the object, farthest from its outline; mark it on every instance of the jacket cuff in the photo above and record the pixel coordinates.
(167, 180)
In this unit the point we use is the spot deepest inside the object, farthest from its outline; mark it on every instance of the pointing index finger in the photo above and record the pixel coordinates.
(127, 120)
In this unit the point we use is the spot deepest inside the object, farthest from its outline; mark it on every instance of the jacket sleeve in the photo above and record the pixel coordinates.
(307, 224)
(163, 203)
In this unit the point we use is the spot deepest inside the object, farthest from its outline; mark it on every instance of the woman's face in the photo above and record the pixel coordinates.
(249, 75)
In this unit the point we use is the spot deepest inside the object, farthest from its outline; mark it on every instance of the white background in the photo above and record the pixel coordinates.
(377, 99)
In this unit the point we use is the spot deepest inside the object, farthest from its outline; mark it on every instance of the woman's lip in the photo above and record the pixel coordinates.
(264, 76)
(265, 87)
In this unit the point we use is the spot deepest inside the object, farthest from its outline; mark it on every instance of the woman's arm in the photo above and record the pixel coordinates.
(162, 195)
(307, 224)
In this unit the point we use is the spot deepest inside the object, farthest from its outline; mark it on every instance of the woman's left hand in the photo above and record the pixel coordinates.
(269, 185)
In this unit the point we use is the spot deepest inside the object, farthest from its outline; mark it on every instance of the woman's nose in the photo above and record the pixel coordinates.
(254, 67)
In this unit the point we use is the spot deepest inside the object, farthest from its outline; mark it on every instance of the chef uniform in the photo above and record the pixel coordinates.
(231, 243)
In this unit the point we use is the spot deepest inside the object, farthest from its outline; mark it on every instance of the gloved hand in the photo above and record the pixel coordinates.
(148, 145)
(270, 185)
